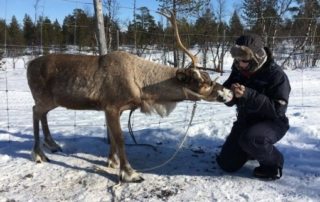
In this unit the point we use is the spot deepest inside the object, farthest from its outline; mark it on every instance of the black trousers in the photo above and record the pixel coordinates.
(252, 142)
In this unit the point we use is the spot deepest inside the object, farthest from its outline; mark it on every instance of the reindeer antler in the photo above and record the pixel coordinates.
(170, 16)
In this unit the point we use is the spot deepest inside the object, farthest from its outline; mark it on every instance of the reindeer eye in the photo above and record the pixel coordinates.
(181, 77)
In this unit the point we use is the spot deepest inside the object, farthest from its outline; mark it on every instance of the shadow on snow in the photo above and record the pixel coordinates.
(192, 160)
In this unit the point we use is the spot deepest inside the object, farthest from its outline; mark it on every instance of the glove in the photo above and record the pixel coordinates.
(225, 95)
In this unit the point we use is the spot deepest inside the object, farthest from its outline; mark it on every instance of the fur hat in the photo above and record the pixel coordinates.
(250, 47)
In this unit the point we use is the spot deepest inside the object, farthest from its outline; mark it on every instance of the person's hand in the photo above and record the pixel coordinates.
(238, 90)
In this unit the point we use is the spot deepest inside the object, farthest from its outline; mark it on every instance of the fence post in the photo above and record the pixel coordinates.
(118, 39)
(7, 105)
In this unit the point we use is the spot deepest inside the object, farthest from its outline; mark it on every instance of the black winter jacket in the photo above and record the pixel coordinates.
(266, 96)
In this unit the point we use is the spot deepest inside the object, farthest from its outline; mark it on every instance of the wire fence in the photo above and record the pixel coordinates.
(16, 104)
(286, 53)
(16, 107)
(16, 100)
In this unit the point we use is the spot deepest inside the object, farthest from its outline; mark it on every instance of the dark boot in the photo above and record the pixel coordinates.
(268, 172)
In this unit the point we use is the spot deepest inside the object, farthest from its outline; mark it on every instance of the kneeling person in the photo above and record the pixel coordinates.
(261, 92)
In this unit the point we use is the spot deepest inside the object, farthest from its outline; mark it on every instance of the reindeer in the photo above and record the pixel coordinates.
(113, 83)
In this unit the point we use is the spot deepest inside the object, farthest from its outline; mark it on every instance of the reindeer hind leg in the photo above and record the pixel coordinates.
(49, 143)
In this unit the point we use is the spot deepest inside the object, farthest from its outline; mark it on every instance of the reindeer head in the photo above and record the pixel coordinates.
(198, 83)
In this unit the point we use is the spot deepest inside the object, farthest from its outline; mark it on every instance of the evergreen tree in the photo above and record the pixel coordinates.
(40, 33)
(271, 21)
(57, 37)
(205, 28)
(83, 33)
(236, 27)
(78, 29)
(262, 17)
(28, 30)
(15, 36)
(47, 32)
(68, 30)
(155, 31)
(308, 13)
(306, 24)
(144, 24)
(129, 36)
(146, 29)
(2, 31)
(253, 13)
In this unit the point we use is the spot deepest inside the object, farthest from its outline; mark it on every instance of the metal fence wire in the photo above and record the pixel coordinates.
(16, 103)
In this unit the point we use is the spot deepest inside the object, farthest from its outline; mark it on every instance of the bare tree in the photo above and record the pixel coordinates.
(283, 6)
(183, 8)
(36, 6)
(221, 39)
(100, 27)
(305, 24)
(112, 7)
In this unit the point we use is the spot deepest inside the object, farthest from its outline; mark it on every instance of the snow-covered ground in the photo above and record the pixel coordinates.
(78, 174)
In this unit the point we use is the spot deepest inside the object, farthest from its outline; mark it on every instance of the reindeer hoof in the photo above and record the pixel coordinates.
(133, 176)
(139, 180)
(112, 164)
(39, 157)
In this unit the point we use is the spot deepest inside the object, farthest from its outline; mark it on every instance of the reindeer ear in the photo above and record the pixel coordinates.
(192, 74)
(197, 75)
(206, 78)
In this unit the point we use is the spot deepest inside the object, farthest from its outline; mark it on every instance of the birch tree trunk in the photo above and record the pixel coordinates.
(100, 27)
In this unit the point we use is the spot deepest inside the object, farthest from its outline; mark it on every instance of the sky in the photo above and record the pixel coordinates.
(58, 9)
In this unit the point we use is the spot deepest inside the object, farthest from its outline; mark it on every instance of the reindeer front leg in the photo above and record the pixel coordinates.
(112, 157)
(127, 174)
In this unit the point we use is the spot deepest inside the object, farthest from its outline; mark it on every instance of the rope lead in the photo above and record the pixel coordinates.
(178, 149)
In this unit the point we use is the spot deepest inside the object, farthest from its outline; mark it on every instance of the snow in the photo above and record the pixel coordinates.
(79, 174)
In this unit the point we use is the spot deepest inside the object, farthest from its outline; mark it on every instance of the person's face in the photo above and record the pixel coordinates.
(243, 64)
